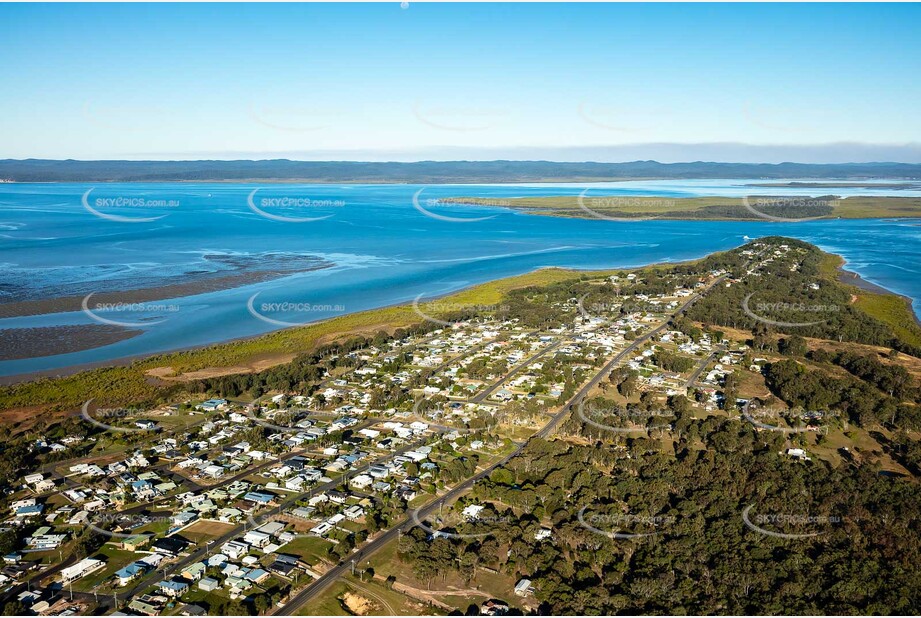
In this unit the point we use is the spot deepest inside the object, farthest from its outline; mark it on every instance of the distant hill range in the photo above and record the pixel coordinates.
(284, 170)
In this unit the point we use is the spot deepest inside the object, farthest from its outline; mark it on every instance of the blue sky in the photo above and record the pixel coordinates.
(366, 81)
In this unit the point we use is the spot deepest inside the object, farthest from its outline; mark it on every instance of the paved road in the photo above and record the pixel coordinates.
(479, 397)
(703, 365)
(201, 552)
(325, 580)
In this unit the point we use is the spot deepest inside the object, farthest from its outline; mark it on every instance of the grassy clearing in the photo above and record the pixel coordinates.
(203, 531)
(894, 311)
(711, 208)
(328, 603)
(310, 549)
(115, 559)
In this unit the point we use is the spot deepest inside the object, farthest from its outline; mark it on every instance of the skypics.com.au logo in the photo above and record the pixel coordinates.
(771, 524)
(623, 526)
(440, 307)
(794, 209)
(417, 204)
(623, 208)
(634, 419)
(144, 314)
(281, 208)
(111, 208)
(761, 310)
(486, 523)
(312, 311)
(797, 420)
(104, 417)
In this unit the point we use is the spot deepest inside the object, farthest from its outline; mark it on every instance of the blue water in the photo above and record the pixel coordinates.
(382, 249)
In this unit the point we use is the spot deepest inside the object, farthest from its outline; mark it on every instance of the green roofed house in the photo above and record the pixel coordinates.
(195, 571)
(136, 542)
(229, 514)
(165, 487)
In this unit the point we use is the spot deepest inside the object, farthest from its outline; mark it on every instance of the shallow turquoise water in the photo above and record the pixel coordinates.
(383, 249)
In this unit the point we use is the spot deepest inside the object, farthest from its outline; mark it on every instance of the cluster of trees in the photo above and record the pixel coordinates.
(684, 325)
(252, 605)
(815, 389)
(703, 559)
(625, 380)
(890, 378)
(672, 362)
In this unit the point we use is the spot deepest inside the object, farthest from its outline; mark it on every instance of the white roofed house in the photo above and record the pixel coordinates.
(235, 549)
(257, 539)
(362, 481)
(472, 511)
(81, 569)
(798, 453)
(523, 587)
(45, 485)
(43, 539)
(295, 483)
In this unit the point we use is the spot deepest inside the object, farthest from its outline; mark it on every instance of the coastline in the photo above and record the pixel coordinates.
(145, 376)
(406, 310)
(64, 304)
(703, 208)
(849, 277)
(512, 282)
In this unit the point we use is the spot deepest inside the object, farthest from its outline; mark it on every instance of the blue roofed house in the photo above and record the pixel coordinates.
(258, 497)
(212, 404)
(33, 510)
(131, 572)
(173, 588)
(257, 576)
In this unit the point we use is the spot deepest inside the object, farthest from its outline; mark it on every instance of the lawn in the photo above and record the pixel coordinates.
(311, 549)
(115, 559)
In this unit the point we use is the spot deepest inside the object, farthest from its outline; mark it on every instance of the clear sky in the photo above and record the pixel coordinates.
(364, 81)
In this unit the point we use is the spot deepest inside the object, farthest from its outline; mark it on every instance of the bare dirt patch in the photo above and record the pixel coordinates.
(358, 605)
(168, 374)
(23, 419)
(206, 530)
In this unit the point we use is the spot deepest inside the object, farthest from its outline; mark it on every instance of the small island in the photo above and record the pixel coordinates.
(761, 207)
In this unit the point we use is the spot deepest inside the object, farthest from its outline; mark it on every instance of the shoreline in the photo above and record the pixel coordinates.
(161, 293)
(849, 277)
(843, 276)
(701, 208)
(126, 361)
